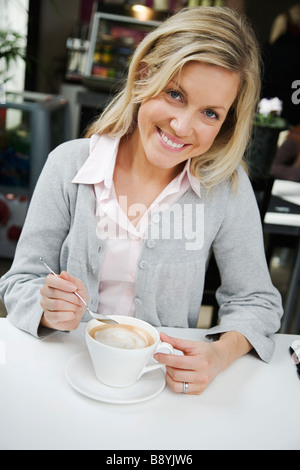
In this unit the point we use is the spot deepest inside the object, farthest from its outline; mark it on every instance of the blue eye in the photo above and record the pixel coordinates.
(211, 114)
(174, 94)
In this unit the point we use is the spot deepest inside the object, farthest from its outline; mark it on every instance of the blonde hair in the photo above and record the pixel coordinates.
(212, 35)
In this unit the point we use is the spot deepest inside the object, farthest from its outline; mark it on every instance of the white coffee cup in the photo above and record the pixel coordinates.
(118, 367)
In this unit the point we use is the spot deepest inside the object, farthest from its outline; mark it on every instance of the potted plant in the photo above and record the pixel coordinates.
(11, 48)
(268, 123)
(269, 114)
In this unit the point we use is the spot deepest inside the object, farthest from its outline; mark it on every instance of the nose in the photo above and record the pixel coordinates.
(183, 123)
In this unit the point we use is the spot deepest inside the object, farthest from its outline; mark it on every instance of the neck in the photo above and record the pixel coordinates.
(132, 158)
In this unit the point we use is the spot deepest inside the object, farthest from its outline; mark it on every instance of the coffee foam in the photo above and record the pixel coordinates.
(122, 336)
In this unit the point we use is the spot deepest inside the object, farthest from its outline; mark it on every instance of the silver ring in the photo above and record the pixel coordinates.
(185, 387)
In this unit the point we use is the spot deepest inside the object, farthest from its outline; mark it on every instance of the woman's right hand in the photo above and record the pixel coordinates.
(62, 309)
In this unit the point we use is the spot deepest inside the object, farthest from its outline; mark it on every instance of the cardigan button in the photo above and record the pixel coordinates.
(143, 264)
(151, 243)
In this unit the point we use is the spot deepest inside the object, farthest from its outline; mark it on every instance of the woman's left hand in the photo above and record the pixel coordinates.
(200, 364)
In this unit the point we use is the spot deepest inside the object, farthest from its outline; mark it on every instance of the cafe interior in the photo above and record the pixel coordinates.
(61, 63)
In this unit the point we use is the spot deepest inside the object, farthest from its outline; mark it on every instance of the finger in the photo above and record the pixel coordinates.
(80, 288)
(186, 361)
(56, 294)
(177, 362)
(178, 386)
(175, 385)
(59, 305)
(186, 346)
(181, 375)
(57, 282)
(61, 315)
(77, 283)
(65, 284)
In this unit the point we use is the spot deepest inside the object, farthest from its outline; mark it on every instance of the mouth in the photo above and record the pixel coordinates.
(170, 142)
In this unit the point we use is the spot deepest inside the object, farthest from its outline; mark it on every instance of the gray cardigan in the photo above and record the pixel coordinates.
(61, 227)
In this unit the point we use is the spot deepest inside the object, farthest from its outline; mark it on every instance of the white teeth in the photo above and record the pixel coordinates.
(169, 142)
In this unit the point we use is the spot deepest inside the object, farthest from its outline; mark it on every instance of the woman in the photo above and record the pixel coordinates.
(133, 213)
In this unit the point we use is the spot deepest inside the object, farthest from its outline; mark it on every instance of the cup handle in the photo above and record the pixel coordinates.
(162, 345)
(158, 365)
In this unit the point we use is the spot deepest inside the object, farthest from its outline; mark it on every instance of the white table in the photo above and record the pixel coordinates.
(251, 405)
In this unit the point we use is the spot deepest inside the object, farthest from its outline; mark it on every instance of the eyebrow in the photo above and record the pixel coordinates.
(186, 94)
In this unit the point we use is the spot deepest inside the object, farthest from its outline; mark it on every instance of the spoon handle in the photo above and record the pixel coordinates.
(95, 315)
(54, 274)
(98, 316)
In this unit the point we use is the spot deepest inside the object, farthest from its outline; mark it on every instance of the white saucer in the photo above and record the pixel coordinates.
(80, 374)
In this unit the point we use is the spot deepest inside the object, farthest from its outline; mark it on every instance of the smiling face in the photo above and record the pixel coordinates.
(184, 120)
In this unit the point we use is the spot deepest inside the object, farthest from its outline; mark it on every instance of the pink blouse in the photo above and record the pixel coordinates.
(123, 238)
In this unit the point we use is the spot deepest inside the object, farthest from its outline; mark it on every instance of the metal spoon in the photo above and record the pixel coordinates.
(97, 316)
